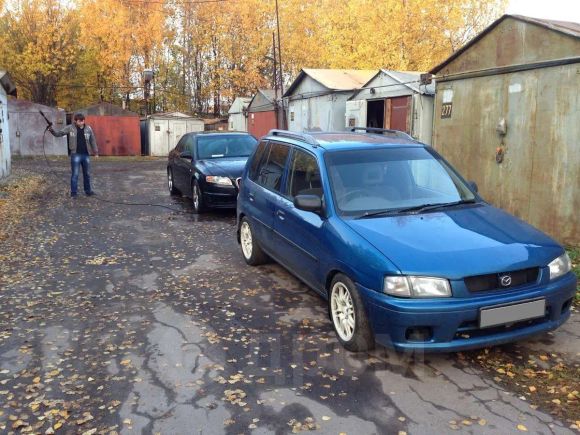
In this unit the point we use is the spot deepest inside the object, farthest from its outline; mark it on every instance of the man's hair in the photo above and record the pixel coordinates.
(79, 117)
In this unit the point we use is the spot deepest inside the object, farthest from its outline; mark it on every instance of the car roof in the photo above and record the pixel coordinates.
(218, 133)
(344, 140)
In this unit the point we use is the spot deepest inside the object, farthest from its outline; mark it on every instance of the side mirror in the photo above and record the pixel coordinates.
(308, 203)
(186, 155)
(473, 185)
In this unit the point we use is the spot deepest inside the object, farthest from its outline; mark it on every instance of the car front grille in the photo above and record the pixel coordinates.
(502, 281)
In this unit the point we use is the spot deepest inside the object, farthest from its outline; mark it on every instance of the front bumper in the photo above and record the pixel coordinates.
(454, 322)
(220, 196)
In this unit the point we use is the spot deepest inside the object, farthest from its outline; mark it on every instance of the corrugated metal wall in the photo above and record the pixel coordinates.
(539, 178)
(27, 137)
(4, 136)
(116, 135)
(260, 123)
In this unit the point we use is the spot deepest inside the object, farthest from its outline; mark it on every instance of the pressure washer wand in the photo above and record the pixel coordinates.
(49, 124)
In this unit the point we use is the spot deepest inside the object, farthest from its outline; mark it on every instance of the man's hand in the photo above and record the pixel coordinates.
(96, 156)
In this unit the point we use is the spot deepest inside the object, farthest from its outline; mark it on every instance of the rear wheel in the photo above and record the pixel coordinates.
(348, 315)
(251, 250)
(171, 183)
(197, 198)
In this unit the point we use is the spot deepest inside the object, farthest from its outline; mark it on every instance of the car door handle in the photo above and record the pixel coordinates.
(251, 197)
(281, 215)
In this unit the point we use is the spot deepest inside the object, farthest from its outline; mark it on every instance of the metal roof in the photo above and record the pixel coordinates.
(245, 101)
(410, 79)
(334, 79)
(105, 109)
(173, 115)
(565, 27)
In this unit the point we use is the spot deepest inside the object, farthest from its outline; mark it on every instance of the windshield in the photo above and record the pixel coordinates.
(218, 146)
(367, 181)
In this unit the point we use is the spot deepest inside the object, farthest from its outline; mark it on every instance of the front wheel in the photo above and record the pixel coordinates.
(197, 198)
(251, 250)
(171, 183)
(348, 315)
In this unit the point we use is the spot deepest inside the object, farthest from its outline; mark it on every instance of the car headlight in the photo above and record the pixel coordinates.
(417, 287)
(215, 179)
(560, 266)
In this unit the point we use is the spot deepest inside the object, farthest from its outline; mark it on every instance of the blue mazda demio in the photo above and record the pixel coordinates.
(402, 247)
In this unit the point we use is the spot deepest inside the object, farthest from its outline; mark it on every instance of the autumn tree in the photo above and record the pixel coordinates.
(38, 46)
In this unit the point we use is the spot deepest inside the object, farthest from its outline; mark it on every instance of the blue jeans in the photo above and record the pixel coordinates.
(77, 160)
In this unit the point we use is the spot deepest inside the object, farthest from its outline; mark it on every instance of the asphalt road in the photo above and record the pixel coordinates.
(139, 319)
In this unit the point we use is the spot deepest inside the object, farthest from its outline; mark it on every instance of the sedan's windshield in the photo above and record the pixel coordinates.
(218, 146)
(391, 179)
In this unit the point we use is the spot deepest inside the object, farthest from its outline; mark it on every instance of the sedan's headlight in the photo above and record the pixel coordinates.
(417, 287)
(560, 266)
(215, 179)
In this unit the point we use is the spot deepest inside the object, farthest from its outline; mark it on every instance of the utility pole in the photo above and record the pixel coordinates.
(280, 67)
(275, 81)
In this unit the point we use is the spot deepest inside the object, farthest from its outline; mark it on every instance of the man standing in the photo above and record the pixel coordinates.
(81, 139)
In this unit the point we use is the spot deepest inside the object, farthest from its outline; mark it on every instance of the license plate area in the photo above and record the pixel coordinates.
(501, 315)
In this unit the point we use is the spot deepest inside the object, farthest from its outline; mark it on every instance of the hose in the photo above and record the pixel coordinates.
(96, 198)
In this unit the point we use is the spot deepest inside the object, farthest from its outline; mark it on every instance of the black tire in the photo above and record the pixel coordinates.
(362, 338)
(171, 183)
(254, 256)
(197, 198)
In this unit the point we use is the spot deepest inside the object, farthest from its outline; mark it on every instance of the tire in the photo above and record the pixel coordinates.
(197, 198)
(171, 183)
(348, 315)
(251, 250)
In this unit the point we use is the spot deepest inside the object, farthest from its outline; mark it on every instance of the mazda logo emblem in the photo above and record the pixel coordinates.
(505, 280)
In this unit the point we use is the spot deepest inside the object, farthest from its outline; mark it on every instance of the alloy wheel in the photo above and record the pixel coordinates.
(246, 240)
(342, 309)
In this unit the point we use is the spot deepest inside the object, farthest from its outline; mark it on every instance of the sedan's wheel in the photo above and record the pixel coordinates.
(197, 198)
(170, 183)
(251, 250)
(348, 315)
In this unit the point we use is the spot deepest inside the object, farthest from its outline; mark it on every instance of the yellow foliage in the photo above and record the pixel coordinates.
(205, 54)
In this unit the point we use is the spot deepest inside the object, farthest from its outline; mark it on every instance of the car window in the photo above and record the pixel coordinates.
(369, 180)
(304, 175)
(257, 158)
(189, 142)
(230, 145)
(271, 169)
(179, 147)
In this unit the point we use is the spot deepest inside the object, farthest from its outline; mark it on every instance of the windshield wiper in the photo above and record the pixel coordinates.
(417, 208)
(426, 207)
(369, 214)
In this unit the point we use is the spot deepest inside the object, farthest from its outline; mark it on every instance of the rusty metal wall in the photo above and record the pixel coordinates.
(116, 135)
(539, 178)
(260, 123)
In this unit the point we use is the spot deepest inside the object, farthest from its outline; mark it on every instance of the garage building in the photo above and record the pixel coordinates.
(507, 112)
(394, 100)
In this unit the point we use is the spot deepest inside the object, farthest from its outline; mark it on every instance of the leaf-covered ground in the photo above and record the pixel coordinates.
(117, 319)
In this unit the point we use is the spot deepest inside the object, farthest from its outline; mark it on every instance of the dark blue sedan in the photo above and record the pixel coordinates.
(403, 248)
(205, 166)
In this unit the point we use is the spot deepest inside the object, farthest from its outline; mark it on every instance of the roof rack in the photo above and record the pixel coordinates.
(294, 135)
(381, 131)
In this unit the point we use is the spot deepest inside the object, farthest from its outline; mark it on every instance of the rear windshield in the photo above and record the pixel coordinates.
(217, 146)
(365, 181)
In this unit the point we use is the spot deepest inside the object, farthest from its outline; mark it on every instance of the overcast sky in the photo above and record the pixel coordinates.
(565, 10)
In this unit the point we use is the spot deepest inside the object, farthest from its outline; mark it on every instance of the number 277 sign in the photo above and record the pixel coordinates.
(446, 109)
